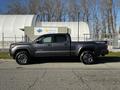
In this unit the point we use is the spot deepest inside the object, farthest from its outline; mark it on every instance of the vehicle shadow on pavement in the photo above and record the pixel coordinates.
(55, 60)
(108, 59)
(99, 60)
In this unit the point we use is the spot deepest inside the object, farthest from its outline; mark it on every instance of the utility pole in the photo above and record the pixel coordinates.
(2, 40)
(78, 24)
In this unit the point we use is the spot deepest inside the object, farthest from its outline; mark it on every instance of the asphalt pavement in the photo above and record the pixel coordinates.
(60, 75)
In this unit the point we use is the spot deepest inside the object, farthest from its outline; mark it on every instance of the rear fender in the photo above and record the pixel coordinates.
(87, 48)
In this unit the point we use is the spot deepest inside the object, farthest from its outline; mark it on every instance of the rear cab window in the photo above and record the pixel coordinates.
(60, 38)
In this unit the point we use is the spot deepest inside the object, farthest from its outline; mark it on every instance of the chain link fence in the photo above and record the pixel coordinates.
(5, 41)
(113, 40)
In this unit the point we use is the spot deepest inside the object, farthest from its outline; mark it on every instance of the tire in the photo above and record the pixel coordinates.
(103, 55)
(87, 57)
(22, 57)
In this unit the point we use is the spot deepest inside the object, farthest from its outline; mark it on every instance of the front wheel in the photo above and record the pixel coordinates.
(22, 58)
(87, 57)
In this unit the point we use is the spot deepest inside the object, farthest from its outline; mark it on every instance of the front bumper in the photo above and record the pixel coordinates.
(11, 54)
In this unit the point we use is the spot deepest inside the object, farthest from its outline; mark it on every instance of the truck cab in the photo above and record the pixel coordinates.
(52, 45)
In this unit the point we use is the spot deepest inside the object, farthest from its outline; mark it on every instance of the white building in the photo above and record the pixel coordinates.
(10, 26)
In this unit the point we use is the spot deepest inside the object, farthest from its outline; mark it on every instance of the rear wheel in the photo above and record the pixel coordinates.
(87, 57)
(22, 57)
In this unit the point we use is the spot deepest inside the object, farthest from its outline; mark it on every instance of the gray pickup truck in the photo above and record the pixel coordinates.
(57, 45)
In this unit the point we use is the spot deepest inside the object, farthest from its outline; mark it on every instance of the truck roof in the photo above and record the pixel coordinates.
(56, 34)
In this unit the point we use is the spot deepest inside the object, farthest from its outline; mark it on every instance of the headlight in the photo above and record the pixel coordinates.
(12, 46)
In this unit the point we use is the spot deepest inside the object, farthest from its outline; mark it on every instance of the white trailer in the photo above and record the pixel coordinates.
(64, 27)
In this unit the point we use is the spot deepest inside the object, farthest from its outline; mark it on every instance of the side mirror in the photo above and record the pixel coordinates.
(37, 41)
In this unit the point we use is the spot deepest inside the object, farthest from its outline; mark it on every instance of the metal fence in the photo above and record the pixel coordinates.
(113, 40)
(5, 41)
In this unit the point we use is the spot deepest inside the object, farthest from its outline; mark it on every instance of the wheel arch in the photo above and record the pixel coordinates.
(18, 50)
(86, 49)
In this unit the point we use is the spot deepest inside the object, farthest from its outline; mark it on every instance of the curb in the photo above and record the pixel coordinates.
(6, 60)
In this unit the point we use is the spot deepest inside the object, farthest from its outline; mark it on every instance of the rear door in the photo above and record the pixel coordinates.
(61, 46)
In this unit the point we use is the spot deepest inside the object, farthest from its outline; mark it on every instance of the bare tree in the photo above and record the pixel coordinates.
(116, 9)
(111, 17)
(73, 9)
(33, 6)
(102, 14)
(108, 14)
(48, 9)
(0, 11)
(94, 18)
(58, 10)
(16, 8)
(85, 9)
(119, 30)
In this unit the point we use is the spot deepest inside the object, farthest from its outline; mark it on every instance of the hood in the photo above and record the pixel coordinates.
(21, 43)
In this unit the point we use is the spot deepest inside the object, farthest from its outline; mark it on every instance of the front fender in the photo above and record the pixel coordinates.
(18, 48)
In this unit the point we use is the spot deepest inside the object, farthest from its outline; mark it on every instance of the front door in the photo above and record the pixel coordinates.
(43, 46)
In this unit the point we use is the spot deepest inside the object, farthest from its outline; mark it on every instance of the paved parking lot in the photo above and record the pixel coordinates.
(60, 75)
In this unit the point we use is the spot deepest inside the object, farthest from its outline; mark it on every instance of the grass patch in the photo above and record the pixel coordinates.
(5, 55)
(115, 54)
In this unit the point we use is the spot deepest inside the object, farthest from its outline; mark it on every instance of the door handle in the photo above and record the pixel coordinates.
(65, 44)
(49, 45)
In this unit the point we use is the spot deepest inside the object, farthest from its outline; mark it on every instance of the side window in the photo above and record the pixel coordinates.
(60, 38)
(47, 40)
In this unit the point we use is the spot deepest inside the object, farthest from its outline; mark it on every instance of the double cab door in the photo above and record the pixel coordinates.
(52, 45)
